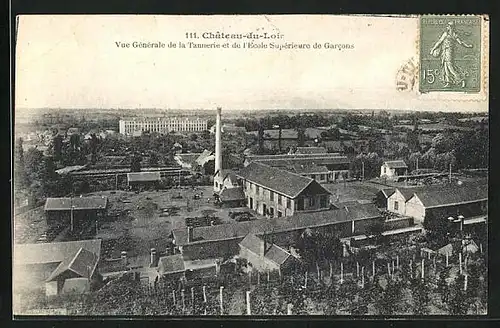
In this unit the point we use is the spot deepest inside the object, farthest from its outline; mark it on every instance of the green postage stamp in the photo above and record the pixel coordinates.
(450, 53)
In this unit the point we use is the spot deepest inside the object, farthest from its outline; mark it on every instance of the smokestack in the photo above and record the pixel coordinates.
(218, 142)
(154, 258)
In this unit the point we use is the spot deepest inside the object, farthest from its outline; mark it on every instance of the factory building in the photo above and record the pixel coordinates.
(162, 125)
(274, 192)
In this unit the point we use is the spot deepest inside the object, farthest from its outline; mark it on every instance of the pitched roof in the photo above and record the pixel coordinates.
(253, 243)
(230, 194)
(362, 211)
(283, 162)
(277, 254)
(143, 176)
(399, 164)
(171, 264)
(78, 203)
(308, 169)
(275, 225)
(454, 194)
(310, 150)
(387, 192)
(280, 181)
(25, 254)
(83, 263)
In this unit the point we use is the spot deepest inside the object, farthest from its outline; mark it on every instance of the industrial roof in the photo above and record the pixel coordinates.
(143, 176)
(204, 157)
(25, 254)
(388, 192)
(308, 169)
(399, 164)
(453, 195)
(77, 203)
(230, 194)
(362, 211)
(310, 150)
(171, 264)
(296, 222)
(280, 181)
(83, 263)
(289, 161)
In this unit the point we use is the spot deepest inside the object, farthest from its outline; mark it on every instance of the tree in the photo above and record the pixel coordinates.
(442, 285)
(458, 303)
(57, 145)
(135, 165)
(420, 293)
(19, 166)
(153, 159)
(387, 305)
(301, 136)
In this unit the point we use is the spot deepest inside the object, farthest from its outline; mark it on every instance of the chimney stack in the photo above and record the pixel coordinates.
(154, 258)
(218, 141)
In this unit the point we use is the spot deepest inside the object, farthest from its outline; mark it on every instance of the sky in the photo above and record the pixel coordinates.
(68, 61)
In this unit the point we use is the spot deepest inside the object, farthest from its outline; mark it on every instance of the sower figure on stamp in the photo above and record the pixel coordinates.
(452, 74)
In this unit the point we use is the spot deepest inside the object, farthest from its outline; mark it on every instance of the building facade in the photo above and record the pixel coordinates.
(393, 169)
(278, 193)
(163, 125)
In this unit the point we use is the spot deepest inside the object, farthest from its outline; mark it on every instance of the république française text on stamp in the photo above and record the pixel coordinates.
(450, 54)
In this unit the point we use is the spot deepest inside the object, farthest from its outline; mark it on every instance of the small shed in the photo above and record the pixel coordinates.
(393, 169)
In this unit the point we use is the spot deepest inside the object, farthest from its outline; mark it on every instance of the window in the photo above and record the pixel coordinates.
(271, 211)
(280, 214)
(313, 176)
(312, 201)
(300, 204)
(289, 203)
(384, 169)
(271, 195)
(279, 199)
(257, 189)
(396, 206)
(323, 201)
(322, 177)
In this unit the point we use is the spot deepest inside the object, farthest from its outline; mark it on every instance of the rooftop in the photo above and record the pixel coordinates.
(307, 169)
(83, 263)
(280, 181)
(231, 194)
(310, 150)
(143, 176)
(77, 203)
(25, 254)
(171, 264)
(399, 164)
(258, 227)
(454, 194)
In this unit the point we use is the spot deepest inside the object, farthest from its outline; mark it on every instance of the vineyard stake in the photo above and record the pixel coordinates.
(362, 277)
(341, 272)
(183, 301)
(331, 270)
(204, 293)
(249, 312)
(221, 300)
(460, 261)
(305, 283)
(173, 297)
(357, 269)
(393, 266)
(373, 269)
(397, 261)
(289, 309)
(411, 268)
(389, 269)
(447, 259)
(465, 282)
(258, 278)
(192, 297)
(423, 269)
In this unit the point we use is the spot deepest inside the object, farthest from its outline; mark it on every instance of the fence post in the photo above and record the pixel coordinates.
(249, 312)
(183, 301)
(460, 261)
(341, 272)
(221, 300)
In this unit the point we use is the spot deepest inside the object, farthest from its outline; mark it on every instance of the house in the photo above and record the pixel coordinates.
(223, 240)
(393, 169)
(54, 268)
(274, 192)
(265, 256)
(187, 160)
(76, 212)
(469, 200)
(171, 266)
(396, 203)
(141, 180)
(225, 179)
(382, 196)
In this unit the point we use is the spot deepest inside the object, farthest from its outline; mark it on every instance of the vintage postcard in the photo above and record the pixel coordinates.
(250, 165)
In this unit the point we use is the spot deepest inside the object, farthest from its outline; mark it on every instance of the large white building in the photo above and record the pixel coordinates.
(163, 125)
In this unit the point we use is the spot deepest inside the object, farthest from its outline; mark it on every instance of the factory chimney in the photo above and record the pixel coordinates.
(218, 144)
